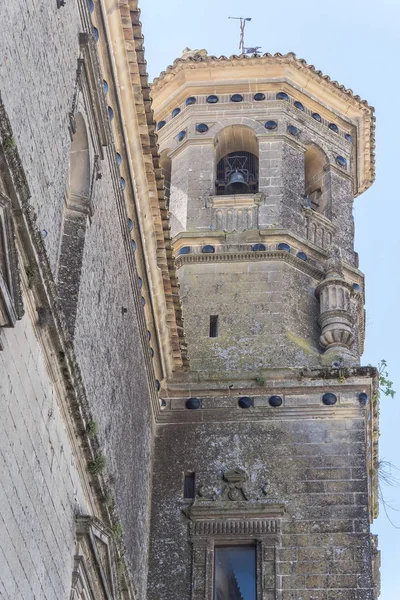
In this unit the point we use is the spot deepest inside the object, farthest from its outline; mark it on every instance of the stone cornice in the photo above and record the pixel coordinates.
(127, 42)
(251, 257)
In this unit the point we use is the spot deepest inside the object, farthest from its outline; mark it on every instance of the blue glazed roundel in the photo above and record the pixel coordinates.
(236, 98)
(140, 280)
(181, 136)
(356, 287)
(275, 401)
(212, 99)
(148, 335)
(134, 245)
(91, 5)
(110, 113)
(105, 86)
(348, 137)
(317, 117)
(282, 96)
(157, 385)
(96, 34)
(259, 96)
(175, 112)
(193, 403)
(208, 249)
(292, 129)
(43, 234)
(143, 301)
(160, 125)
(190, 100)
(302, 255)
(329, 399)
(271, 125)
(184, 250)
(246, 402)
(123, 184)
(284, 246)
(341, 161)
(333, 127)
(363, 398)
(258, 248)
(151, 352)
(299, 105)
(130, 224)
(201, 128)
(119, 159)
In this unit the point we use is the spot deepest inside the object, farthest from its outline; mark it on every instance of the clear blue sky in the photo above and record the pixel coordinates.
(357, 43)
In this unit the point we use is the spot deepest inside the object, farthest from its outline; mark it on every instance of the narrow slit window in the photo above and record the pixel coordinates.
(188, 485)
(214, 326)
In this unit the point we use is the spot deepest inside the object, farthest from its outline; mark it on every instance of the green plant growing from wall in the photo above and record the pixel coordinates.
(9, 144)
(260, 380)
(385, 386)
(97, 465)
(118, 531)
(92, 428)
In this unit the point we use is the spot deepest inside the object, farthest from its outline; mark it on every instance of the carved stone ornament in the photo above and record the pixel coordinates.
(229, 515)
(11, 306)
(234, 488)
(94, 574)
(335, 320)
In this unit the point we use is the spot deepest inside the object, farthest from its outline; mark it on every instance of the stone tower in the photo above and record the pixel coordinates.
(264, 481)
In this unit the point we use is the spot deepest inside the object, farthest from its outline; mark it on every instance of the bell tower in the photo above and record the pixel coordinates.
(268, 442)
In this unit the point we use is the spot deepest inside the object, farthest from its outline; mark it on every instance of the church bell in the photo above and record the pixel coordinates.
(237, 184)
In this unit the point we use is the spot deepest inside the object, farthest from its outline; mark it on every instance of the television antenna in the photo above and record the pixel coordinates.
(242, 47)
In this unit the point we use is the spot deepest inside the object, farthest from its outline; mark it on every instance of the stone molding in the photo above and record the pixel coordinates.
(280, 255)
(90, 82)
(94, 573)
(11, 302)
(134, 95)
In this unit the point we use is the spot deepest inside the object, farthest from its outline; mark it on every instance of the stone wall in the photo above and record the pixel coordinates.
(107, 341)
(40, 46)
(315, 467)
(40, 491)
(267, 316)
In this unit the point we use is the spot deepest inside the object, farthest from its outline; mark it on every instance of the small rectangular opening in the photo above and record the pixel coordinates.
(188, 485)
(214, 326)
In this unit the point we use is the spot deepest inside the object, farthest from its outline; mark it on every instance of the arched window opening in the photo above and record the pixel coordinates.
(315, 175)
(237, 161)
(75, 219)
(166, 166)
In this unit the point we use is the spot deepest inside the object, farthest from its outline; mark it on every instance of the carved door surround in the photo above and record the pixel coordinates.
(94, 575)
(229, 516)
